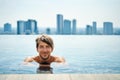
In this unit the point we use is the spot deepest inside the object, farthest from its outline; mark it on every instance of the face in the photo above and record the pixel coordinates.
(44, 50)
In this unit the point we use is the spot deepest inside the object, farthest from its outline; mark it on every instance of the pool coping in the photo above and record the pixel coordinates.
(59, 76)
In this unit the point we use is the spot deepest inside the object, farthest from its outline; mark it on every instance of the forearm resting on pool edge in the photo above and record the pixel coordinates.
(28, 59)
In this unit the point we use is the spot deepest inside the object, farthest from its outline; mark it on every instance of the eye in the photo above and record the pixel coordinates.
(47, 46)
(41, 46)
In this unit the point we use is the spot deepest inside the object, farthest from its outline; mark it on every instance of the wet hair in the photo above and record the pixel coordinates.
(44, 38)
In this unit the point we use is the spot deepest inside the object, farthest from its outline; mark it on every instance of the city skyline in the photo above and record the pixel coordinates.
(64, 27)
(44, 11)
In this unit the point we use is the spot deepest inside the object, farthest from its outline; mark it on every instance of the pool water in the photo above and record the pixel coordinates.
(83, 54)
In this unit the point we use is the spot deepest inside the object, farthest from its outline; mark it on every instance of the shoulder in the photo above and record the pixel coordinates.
(36, 58)
(52, 59)
(58, 59)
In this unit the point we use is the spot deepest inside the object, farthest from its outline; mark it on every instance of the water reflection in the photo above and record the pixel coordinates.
(45, 70)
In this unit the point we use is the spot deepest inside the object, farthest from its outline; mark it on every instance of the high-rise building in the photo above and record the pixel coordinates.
(7, 28)
(31, 27)
(27, 27)
(67, 27)
(108, 28)
(88, 30)
(94, 28)
(21, 27)
(59, 24)
(74, 26)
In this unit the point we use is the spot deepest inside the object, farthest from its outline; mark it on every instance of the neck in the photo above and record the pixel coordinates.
(44, 58)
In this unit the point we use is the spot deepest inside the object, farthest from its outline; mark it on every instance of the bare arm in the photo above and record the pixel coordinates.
(59, 59)
(29, 59)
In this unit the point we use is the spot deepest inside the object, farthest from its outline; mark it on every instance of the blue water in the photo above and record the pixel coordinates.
(83, 54)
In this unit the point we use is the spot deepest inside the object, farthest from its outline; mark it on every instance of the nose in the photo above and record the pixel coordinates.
(44, 49)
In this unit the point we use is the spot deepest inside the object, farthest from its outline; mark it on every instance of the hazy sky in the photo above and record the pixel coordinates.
(44, 11)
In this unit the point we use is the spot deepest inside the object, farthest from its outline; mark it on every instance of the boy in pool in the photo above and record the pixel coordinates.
(44, 46)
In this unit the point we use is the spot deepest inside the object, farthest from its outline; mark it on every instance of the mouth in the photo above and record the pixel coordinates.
(44, 57)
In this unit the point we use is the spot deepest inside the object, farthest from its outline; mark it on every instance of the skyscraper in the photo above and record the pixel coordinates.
(7, 28)
(67, 27)
(31, 27)
(88, 30)
(59, 24)
(27, 27)
(74, 26)
(21, 27)
(94, 28)
(108, 28)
